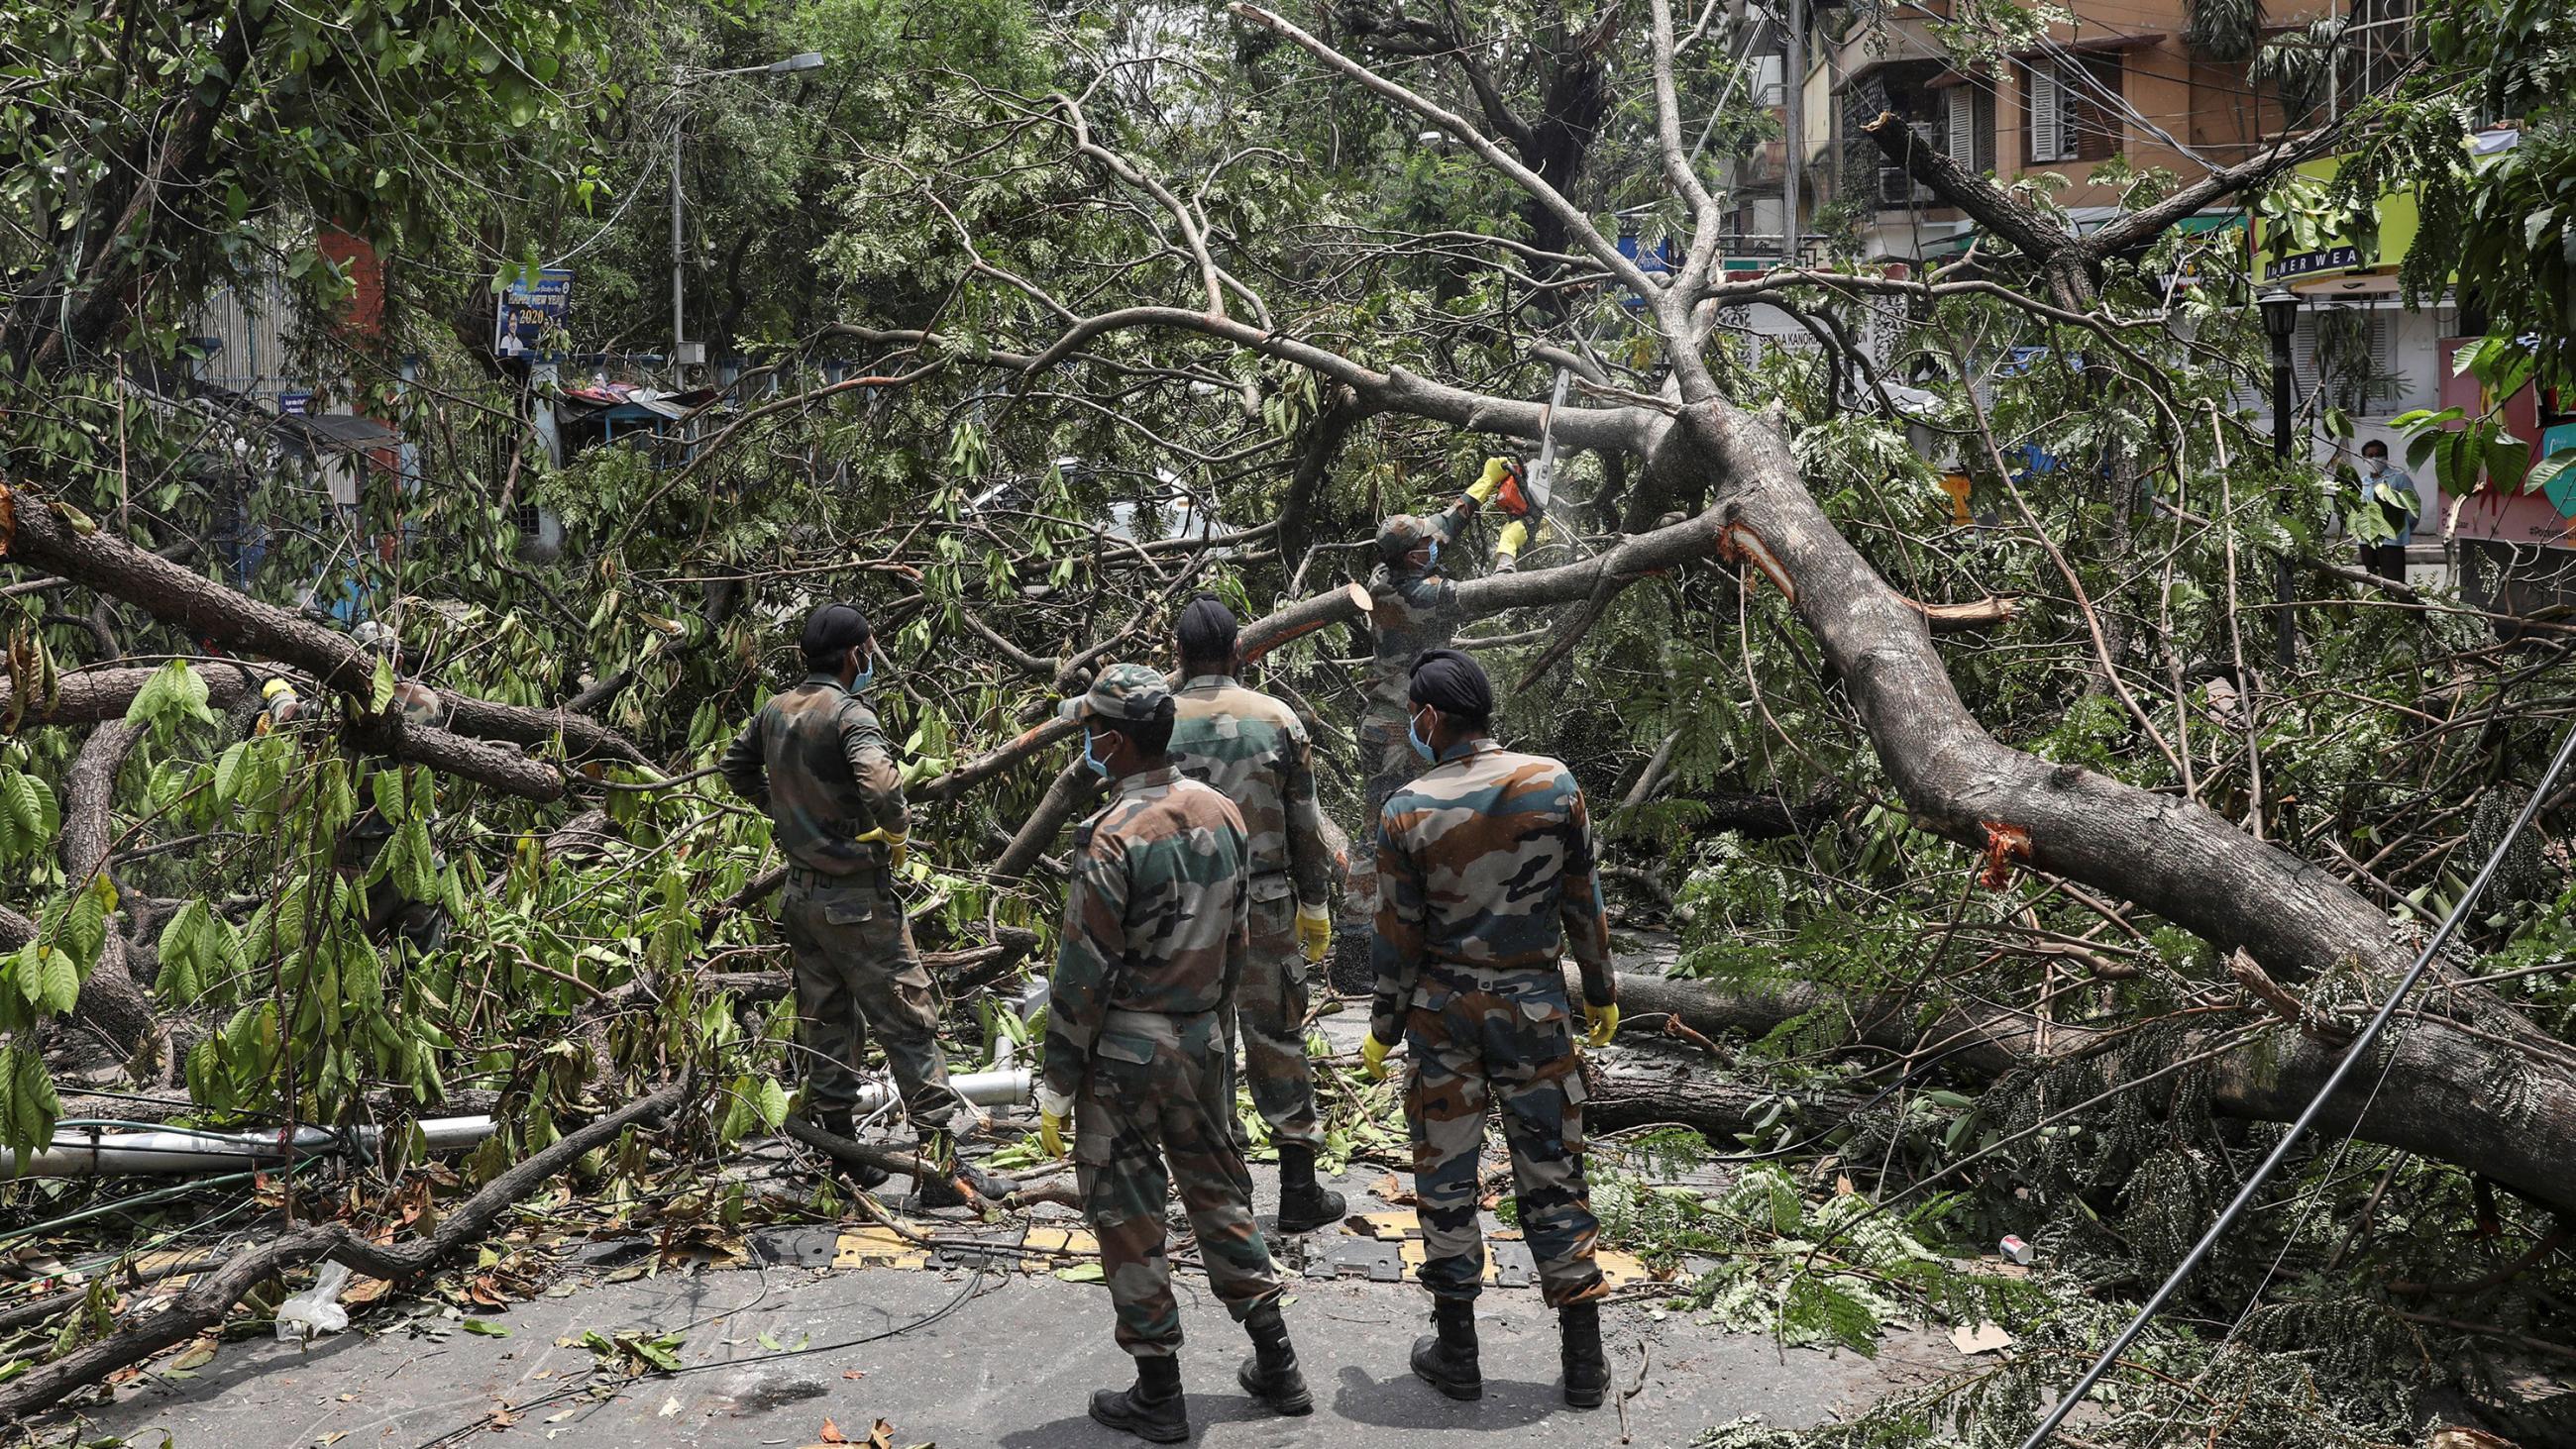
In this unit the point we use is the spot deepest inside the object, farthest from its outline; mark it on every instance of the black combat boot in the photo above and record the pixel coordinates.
(1447, 1360)
(1304, 1203)
(1587, 1369)
(838, 1122)
(937, 1188)
(1271, 1375)
(1153, 1410)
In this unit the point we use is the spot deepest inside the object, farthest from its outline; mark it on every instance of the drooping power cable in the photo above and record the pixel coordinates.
(2353, 1055)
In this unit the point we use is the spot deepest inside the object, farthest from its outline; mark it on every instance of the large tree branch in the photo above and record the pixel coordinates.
(44, 537)
(1578, 224)
(2433, 1095)
(2068, 259)
(106, 286)
(112, 1002)
(211, 1297)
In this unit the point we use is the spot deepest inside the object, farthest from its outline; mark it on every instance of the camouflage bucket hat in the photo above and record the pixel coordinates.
(1123, 691)
(1401, 534)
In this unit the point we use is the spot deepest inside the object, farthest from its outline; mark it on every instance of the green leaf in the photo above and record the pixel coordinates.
(2546, 471)
(488, 1330)
(27, 969)
(62, 980)
(228, 773)
(381, 693)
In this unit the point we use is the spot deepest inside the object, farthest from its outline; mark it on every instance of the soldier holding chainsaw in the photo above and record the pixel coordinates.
(1413, 607)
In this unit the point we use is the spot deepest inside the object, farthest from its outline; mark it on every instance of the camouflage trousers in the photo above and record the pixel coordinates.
(1153, 1114)
(1386, 752)
(856, 969)
(1270, 1019)
(1506, 1042)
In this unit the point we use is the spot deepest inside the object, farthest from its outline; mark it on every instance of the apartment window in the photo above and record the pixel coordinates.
(2067, 109)
(1968, 126)
(2376, 47)
(2351, 354)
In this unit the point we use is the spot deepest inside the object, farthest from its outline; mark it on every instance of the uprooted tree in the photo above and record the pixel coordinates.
(2004, 825)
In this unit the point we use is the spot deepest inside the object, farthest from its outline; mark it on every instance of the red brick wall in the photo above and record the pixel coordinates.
(356, 257)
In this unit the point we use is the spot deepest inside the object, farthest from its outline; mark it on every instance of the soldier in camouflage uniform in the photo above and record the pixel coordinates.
(815, 760)
(1485, 873)
(1413, 606)
(1254, 750)
(1152, 945)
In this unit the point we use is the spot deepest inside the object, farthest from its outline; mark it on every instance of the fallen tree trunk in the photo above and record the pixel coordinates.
(40, 537)
(113, 1004)
(207, 1301)
(2435, 1082)
(1638, 1095)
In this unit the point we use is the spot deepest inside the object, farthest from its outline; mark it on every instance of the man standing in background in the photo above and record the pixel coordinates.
(1254, 751)
(2386, 487)
(815, 760)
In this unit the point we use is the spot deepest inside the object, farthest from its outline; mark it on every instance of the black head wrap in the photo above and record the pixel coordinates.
(831, 631)
(1207, 630)
(1453, 684)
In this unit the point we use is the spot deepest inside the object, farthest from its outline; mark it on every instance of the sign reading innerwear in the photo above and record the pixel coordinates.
(529, 310)
(2299, 264)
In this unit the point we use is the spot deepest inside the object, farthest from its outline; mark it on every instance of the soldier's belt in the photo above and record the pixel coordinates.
(872, 864)
(1148, 1019)
(1488, 976)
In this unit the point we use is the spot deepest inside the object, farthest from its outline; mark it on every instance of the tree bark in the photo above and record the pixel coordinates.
(113, 1004)
(44, 538)
(2435, 1096)
(1643, 1093)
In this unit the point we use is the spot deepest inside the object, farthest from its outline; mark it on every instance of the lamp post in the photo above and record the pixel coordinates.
(2280, 309)
(802, 60)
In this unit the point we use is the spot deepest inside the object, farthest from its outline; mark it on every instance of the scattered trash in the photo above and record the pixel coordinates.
(1984, 1338)
(316, 1311)
(2017, 1251)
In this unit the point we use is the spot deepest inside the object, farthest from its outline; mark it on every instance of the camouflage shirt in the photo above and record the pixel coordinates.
(1485, 866)
(1254, 751)
(1155, 918)
(1411, 610)
(815, 760)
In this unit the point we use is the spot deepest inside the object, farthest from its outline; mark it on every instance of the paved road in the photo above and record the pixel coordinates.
(1011, 1365)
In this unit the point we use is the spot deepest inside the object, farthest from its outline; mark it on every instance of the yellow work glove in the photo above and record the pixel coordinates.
(1373, 1057)
(897, 852)
(1053, 1112)
(1517, 534)
(1315, 931)
(1600, 1023)
(1489, 482)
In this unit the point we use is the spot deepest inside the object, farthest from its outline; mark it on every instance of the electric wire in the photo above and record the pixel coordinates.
(2353, 1054)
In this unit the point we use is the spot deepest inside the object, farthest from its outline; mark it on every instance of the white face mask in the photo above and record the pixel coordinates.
(2376, 466)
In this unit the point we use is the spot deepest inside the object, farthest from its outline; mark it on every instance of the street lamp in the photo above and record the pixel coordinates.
(2280, 309)
(801, 60)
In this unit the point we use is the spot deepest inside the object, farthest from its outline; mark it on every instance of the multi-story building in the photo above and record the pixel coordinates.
(2125, 87)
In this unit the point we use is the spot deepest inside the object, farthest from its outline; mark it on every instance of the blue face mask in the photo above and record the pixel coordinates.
(1098, 765)
(1414, 738)
(1431, 560)
(865, 678)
